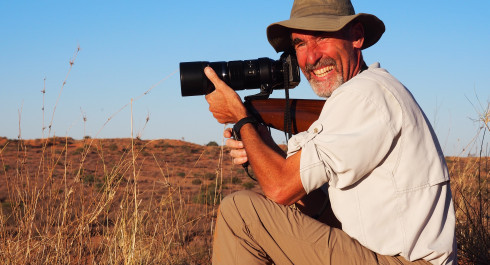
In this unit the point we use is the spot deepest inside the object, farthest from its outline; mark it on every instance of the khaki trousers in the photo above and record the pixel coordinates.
(252, 229)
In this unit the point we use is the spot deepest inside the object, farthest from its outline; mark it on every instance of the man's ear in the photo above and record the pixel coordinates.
(357, 35)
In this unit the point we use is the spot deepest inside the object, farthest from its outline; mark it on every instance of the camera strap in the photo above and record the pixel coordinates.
(287, 111)
(236, 134)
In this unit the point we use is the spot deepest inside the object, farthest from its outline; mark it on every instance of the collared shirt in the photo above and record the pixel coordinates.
(387, 178)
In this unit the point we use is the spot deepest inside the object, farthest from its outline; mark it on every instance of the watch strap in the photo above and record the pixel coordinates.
(238, 126)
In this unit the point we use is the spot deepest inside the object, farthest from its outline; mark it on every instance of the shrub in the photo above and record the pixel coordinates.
(210, 176)
(113, 147)
(210, 195)
(471, 205)
(236, 180)
(212, 143)
(249, 185)
(88, 179)
(196, 182)
(195, 151)
(78, 151)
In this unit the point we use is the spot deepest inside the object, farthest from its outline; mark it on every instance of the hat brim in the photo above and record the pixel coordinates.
(279, 34)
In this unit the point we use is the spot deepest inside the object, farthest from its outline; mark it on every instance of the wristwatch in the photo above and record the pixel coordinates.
(238, 126)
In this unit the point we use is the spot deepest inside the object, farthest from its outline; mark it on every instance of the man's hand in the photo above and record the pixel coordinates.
(237, 152)
(224, 102)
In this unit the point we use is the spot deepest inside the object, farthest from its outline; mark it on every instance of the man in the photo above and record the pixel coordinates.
(372, 148)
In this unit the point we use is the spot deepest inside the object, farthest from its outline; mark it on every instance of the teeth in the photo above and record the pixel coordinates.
(323, 71)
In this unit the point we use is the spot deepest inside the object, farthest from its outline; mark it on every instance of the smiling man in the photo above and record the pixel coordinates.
(372, 154)
(328, 58)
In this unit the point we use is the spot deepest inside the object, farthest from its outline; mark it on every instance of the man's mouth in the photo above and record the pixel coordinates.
(322, 72)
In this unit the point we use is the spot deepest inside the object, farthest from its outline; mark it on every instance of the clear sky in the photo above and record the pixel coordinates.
(438, 49)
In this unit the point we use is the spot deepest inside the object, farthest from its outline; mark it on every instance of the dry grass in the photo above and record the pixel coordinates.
(62, 210)
(127, 201)
(470, 191)
(91, 202)
(470, 182)
(108, 201)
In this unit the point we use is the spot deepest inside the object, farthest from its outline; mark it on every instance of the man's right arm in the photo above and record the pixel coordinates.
(278, 177)
(312, 204)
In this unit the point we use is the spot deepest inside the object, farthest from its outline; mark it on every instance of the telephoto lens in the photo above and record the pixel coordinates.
(239, 75)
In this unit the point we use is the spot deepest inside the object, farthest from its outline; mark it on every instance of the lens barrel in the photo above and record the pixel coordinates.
(239, 75)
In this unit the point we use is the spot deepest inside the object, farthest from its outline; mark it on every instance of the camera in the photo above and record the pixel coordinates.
(263, 73)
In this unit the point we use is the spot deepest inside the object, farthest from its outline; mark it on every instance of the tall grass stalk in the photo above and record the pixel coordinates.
(79, 202)
(470, 178)
(64, 206)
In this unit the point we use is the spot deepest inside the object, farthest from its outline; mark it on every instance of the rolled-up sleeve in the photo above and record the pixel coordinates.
(354, 133)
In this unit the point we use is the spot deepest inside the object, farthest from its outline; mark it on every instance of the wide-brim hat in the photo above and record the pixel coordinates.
(323, 15)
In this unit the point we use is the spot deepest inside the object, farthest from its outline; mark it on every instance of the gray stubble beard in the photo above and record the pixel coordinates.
(318, 87)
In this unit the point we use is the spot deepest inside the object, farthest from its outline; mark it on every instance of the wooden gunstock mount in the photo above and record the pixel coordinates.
(271, 112)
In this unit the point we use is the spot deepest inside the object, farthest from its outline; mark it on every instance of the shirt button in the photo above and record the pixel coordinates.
(315, 130)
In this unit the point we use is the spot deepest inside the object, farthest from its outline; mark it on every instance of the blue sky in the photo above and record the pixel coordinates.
(438, 49)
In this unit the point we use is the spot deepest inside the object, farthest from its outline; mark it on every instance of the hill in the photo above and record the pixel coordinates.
(152, 201)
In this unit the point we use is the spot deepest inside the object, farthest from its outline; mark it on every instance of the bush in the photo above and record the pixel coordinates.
(210, 176)
(210, 195)
(78, 151)
(88, 179)
(236, 180)
(471, 205)
(212, 143)
(181, 174)
(113, 147)
(196, 182)
(195, 151)
(185, 148)
(249, 185)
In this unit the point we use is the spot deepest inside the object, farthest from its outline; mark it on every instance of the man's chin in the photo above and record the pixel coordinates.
(321, 90)
(325, 89)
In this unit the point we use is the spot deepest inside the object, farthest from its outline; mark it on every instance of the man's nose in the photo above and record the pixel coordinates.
(313, 54)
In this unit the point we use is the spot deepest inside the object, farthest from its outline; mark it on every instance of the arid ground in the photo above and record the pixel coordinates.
(131, 201)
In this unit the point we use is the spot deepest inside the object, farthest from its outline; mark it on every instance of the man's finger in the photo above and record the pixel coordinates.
(239, 161)
(212, 76)
(237, 153)
(228, 133)
(232, 143)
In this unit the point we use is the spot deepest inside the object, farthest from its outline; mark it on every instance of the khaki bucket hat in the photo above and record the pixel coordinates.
(323, 15)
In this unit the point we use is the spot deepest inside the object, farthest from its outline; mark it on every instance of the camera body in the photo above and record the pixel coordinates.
(263, 73)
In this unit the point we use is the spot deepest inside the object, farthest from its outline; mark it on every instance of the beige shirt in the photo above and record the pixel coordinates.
(387, 177)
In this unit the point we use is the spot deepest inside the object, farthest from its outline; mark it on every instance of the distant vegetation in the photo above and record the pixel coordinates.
(89, 202)
(131, 201)
(212, 143)
(110, 201)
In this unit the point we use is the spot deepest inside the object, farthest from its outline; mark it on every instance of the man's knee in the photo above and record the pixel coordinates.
(239, 202)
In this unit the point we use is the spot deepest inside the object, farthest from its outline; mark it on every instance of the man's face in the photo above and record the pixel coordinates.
(327, 59)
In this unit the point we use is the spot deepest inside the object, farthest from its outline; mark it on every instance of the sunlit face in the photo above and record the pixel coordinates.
(327, 59)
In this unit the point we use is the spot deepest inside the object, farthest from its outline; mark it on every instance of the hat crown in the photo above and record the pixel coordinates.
(326, 16)
(306, 8)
